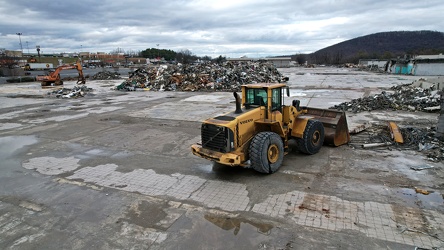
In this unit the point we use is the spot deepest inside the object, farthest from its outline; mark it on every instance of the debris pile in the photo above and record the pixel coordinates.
(414, 138)
(228, 76)
(106, 75)
(374, 68)
(77, 91)
(405, 97)
(73, 78)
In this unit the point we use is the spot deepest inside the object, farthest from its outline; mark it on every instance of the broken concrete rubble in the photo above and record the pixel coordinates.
(75, 92)
(106, 75)
(228, 76)
(405, 97)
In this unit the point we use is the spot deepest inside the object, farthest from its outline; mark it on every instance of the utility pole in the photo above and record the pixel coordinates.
(20, 39)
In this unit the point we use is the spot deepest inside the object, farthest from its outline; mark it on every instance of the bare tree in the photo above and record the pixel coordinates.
(9, 65)
(299, 58)
(185, 57)
(117, 51)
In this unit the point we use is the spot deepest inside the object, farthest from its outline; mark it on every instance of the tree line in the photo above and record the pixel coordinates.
(183, 56)
(384, 45)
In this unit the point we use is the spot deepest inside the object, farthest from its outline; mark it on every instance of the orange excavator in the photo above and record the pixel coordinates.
(53, 77)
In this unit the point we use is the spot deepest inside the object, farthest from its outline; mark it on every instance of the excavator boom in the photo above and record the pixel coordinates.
(53, 78)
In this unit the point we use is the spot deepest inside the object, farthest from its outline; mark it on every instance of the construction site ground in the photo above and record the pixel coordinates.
(114, 170)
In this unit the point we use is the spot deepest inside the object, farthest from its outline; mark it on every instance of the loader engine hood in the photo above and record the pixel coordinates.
(226, 132)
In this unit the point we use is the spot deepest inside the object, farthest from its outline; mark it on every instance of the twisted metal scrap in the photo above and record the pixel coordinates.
(418, 139)
(75, 92)
(105, 75)
(228, 76)
(404, 97)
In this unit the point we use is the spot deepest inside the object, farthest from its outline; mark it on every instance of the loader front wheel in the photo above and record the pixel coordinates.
(312, 139)
(266, 152)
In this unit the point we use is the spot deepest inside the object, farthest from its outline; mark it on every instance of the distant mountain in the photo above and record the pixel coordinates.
(382, 45)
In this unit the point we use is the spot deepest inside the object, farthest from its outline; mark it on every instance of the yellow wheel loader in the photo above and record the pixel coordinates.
(258, 131)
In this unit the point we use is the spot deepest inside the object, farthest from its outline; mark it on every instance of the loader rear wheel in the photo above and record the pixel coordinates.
(312, 139)
(266, 152)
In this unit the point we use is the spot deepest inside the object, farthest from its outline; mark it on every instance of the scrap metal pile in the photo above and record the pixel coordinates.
(405, 97)
(77, 91)
(228, 76)
(421, 139)
(106, 75)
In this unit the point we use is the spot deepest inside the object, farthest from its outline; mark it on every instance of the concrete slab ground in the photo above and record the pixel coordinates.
(113, 170)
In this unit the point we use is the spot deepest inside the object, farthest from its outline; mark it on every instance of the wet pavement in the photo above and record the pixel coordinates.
(114, 170)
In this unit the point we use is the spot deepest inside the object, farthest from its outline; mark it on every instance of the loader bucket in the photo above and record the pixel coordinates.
(335, 125)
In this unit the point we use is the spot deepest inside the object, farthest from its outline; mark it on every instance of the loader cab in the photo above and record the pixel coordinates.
(268, 95)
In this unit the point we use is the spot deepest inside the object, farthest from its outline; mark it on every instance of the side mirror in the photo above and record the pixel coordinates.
(288, 91)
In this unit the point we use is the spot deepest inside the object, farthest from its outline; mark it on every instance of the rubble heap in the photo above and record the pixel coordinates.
(228, 76)
(106, 75)
(405, 97)
(77, 91)
(421, 139)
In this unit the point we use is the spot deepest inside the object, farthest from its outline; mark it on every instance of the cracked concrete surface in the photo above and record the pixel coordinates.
(114, 170)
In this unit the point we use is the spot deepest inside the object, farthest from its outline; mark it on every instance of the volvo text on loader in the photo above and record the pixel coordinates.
(53, 77)
(258, 131)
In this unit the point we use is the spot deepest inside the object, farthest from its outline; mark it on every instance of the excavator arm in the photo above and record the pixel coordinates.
(53, 78)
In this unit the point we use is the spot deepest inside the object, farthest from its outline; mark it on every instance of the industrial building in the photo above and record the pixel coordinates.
(421, 65)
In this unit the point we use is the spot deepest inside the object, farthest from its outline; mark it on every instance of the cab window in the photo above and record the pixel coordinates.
(276, 99)
(256, 97)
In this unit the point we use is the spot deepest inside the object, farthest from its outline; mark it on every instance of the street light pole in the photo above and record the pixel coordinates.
(20, 39)
(38, 51)
(158, 52)
(27, 47)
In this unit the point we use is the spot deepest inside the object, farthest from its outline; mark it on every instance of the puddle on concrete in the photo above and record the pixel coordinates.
(222, 231)
(434, 200)
(10, 144)
(94, 153)
(235, 225)
(10, 148)
(207, 168)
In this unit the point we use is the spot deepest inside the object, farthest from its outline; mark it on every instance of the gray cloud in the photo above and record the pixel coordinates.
(230, 27)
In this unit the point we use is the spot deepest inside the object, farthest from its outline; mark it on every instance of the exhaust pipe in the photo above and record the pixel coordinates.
(238, 103)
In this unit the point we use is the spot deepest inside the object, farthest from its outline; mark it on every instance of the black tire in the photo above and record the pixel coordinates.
(266, 152)
(312, 139)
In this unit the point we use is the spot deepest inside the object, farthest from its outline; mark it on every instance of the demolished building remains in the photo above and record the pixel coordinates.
(417, 96)
(228, 76)
(106, 75)
(75, 92)
(421, 65)
(420, 139)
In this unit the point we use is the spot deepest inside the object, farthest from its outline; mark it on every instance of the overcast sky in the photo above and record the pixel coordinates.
(231, 28)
